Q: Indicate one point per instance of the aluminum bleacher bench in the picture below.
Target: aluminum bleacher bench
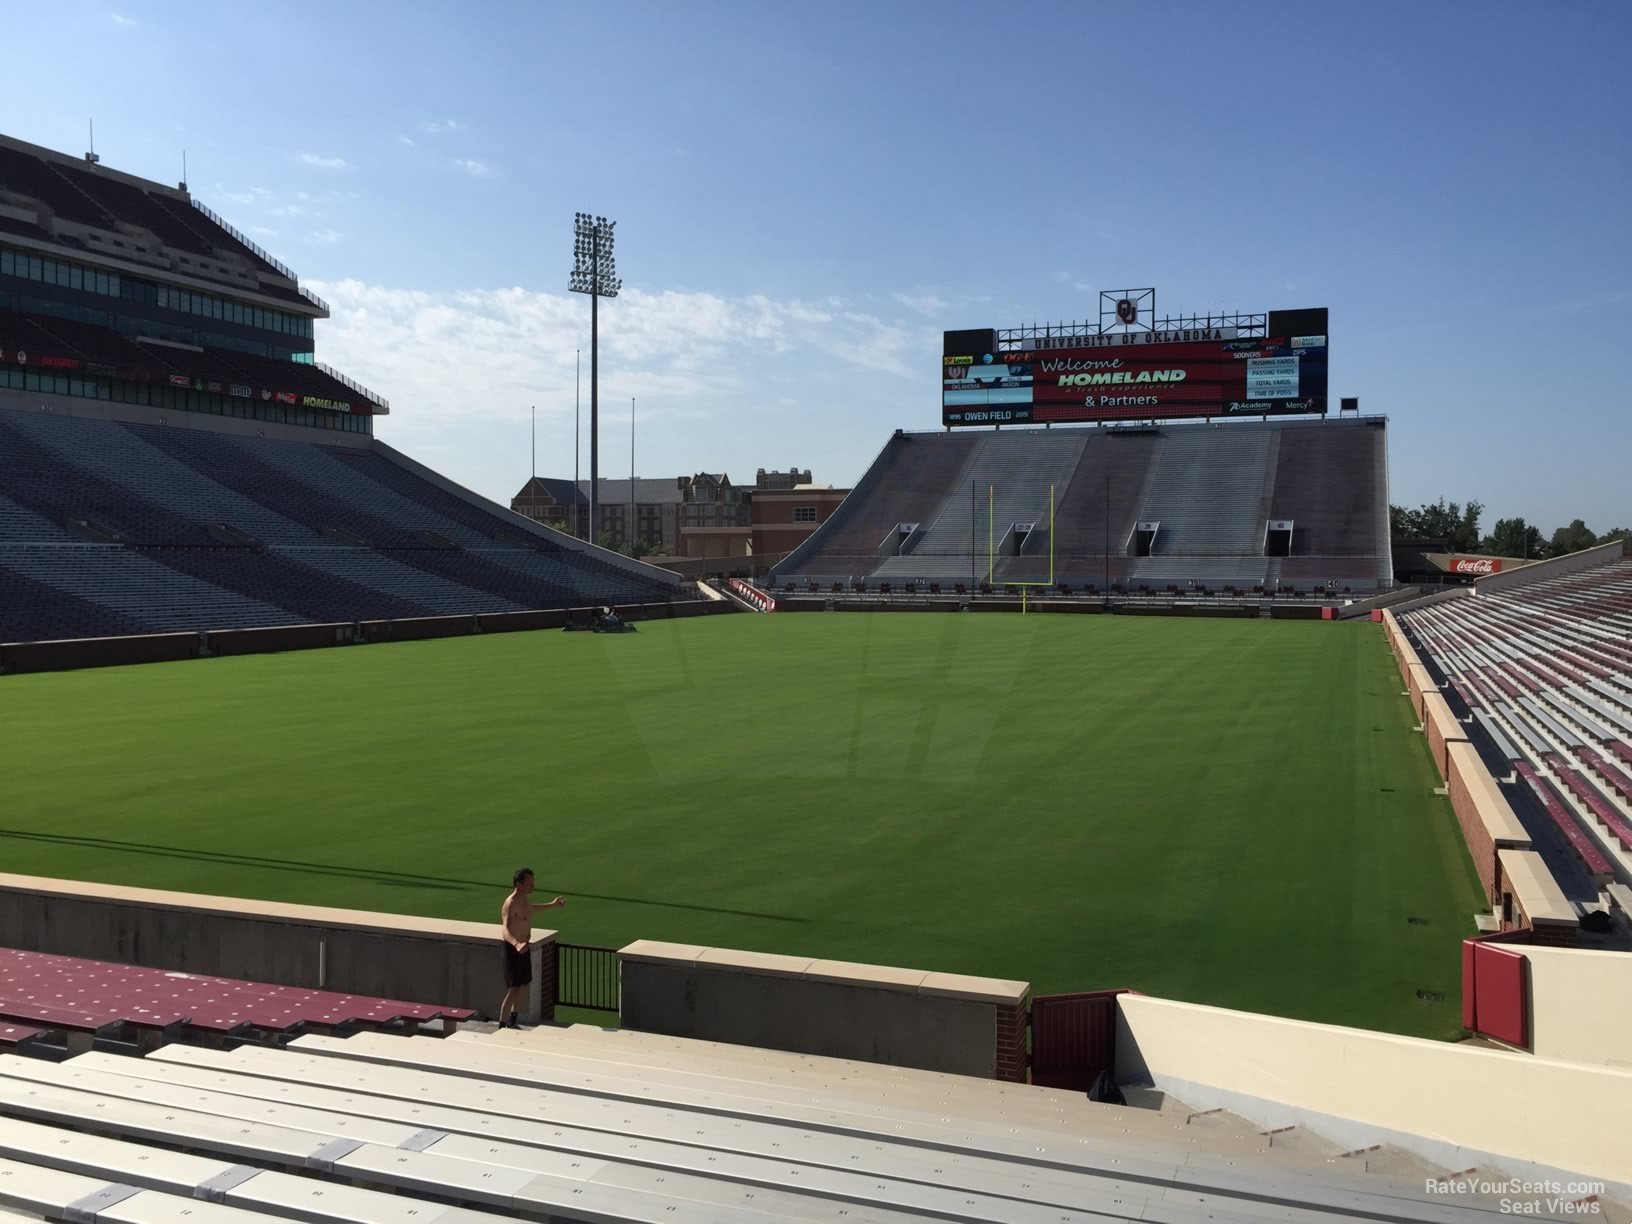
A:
(550, 1185)
(25, 1038)
(37, 987)
(1564, 709)
(1602, 810)
(1593, 702)
(801, 1109)
(216, 1181)
(81, 1029)
(56, 1195)
(1617, 779)
(1532, 738)
(826, 1163)
(892, 1148)
(1592, 858)
(1539, 713)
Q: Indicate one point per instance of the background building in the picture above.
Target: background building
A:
(657, 513)
(784, 518)
(555, 503)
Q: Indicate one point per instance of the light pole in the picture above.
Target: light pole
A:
(595, 273)
(577, 489)
(632, 533)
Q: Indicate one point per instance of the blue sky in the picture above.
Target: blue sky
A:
(808, 194)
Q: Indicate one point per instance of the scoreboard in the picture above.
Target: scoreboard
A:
(1137, 375)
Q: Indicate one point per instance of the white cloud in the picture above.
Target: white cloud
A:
(477, 354)
(325, 236)
(261, 231)
(323, 163)
(1062, 276)
(121, 19)
(406, 140)
(440, 127)
(475, 168)
(924, 301)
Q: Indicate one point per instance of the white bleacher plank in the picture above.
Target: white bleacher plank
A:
(156, 1123)
(151, 1207)
(1036, 1146)
(46, 1192)
(154, 1168)
(1619, 699)
(653, 1134)
(1535, 710)
(78, 1076)
(1590, 725)
(486, 1181)
(110, 1159)
(861, 1081)
(544, 1195)
(306, 1198)
(736, 1099)
(883, 1180)
(1596, 704)
(1526, 732)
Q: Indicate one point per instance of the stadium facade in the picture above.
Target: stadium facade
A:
(174, 458)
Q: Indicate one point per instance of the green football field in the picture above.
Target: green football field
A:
(1228, 812)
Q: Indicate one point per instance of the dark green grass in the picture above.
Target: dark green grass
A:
(1229, 812)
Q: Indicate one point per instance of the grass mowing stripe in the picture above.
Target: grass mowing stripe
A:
(1229, 812)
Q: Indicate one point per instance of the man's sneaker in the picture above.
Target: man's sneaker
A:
(513, 1022)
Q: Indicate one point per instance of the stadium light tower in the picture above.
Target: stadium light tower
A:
(594, 273)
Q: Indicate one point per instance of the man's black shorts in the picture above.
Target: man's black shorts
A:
(518, 967)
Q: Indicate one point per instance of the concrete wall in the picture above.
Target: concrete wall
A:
(1454, 1104)
(904, 1017)
(170, 647)
(72, 653)
(1434, 597)
(1487, 821)
(394, 956)
(1489, 828)
(1537, 570)
(1573, 994)
(1539, 903)
(1422, 684)
(1443, 729)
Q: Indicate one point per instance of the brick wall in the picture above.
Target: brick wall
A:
(1010, 1062)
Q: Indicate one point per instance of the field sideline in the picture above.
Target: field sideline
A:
(1230, 812)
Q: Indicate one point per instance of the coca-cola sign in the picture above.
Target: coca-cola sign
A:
(1476, 565)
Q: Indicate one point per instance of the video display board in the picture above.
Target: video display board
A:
(1136, 376)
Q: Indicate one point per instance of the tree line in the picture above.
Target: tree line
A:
(1458, 524)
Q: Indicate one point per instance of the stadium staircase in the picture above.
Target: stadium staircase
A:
(584, 1124)
(111, 528)
(1541, 674)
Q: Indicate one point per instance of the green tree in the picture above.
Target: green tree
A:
(1440, 520)
(1513, 537)
(1618, 533)
(1571, 539)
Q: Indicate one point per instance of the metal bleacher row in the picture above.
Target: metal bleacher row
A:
(1545, 669)
(580, 1123)
(1212, 488)
(109, 528)
(72, 1003)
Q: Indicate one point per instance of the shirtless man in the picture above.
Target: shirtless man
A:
(516, 918)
